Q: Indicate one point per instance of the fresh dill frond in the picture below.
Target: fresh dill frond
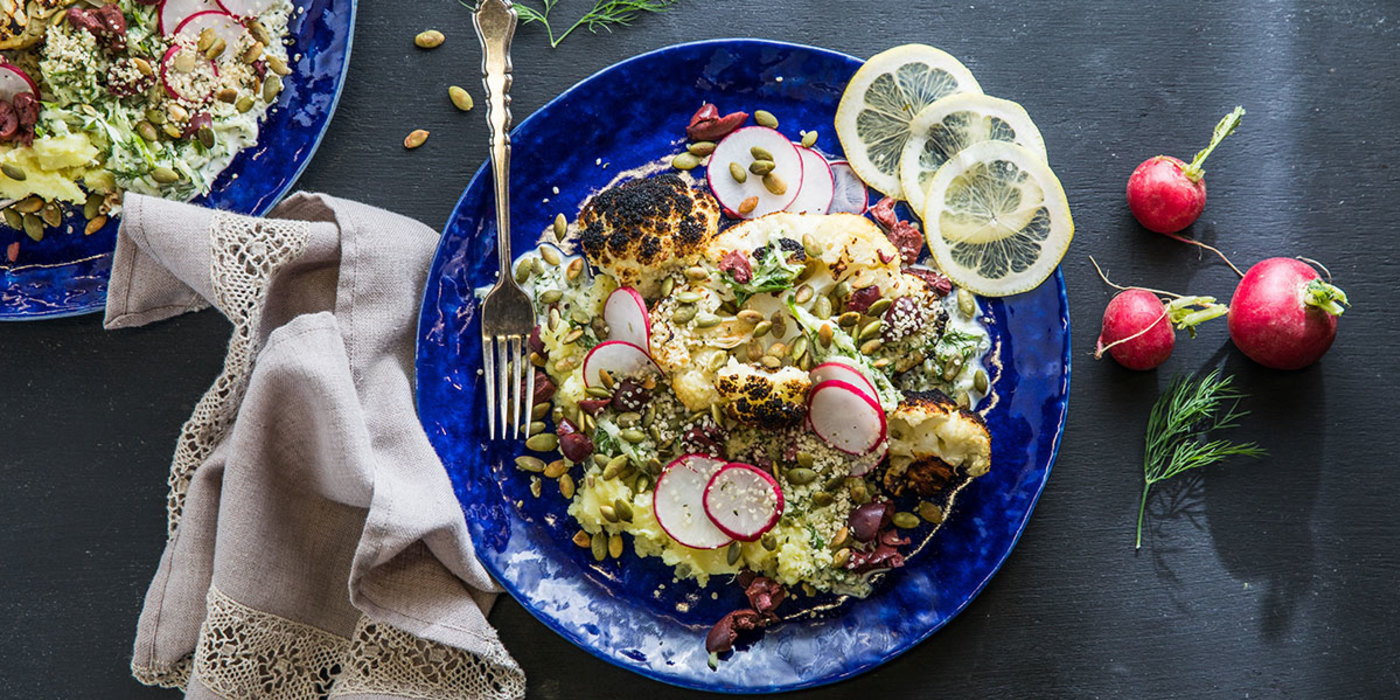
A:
(605, 14)
(1180, 426)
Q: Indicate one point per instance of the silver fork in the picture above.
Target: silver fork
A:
(507, 316)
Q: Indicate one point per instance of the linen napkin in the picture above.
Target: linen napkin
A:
(315, 548)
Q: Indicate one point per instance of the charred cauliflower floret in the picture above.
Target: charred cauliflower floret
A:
(934, 445)
(761, 397)
(640, 231)
(23, 22)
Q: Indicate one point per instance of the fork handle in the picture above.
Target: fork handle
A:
(495, 22)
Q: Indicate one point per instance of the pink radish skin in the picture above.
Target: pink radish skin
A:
(1277, 314)
(868, 462)
(245, 8)
(743, 501)
(626, 315)
(1127, 315)
(849, 195)
(1166, 194)
(735, 148)
(818, 185)
(827, 371)
(165, 67)
(678, 502)
(13, 81)
(618, 358)
(225, 26)
(847, 419)
(173, 12)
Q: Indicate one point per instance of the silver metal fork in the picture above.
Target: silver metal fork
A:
(507, 316)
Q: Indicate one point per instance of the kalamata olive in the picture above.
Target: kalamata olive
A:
(544, 388)
(593, 406)
(630, 395)
(861, 299)
(865, 522)
(537, 345)
(9, 121)
(566, 427)
(575, 446)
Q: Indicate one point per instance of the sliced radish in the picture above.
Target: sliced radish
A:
(225, 26)
(617, 357)
(843, 371)
(737, 148)
(246, 8)
(860, 466)
(13, 81)
(679, 502)
(850, 195)
(172, 86)
(174, 12)
(818, 185)
(847, 419)
(626, 314)
(743, 501)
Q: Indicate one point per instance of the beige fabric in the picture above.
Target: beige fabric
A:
(315, 547)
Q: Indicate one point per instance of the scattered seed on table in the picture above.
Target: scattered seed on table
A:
(461, 99)
(430, 39)
(415, 138)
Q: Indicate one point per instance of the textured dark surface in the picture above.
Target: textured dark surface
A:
(1270, 578)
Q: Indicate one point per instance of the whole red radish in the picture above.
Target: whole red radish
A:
(1283, 315)
(1136, 331)
(1167, 195)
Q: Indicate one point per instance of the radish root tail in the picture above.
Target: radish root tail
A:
(1211, 248)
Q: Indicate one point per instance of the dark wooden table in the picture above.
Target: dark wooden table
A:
(1272, 578)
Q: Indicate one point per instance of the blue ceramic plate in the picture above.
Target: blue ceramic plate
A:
(623, 117)
(66, 274)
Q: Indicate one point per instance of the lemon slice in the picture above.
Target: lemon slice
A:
(953, 123)
(996, 219)
(872, 120)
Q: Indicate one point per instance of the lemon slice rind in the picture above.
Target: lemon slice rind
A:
(997, 220)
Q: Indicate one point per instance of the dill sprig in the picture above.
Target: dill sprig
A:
(605, 14)
(1178, 431)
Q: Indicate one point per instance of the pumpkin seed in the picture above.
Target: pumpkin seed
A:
(778, 350)
(164, 175)
(804, 294)
(841, 559)
(806, 460)
(717, 414)
(905, 520)
(879, 307)
(206, 39)
(144, 66)
(649, 417)
(848, 319)
(608, 513)
(964, 399)
(930, 512)
(177, 113)
(765, 118)
(574, 269)
(760, 153)
(540, 410)
(529, 463)
(655, 432)
(700, 149)
(551, 296)
(696, 274)
(769, 542)
(556, 469)
(600, 546)
(254, 52)
(259, 32)
(750, 316)
(967, 304)
(14, 219)
(954, 366)
(683, 313)
(732, 554)
(882, 363)
(801, 476)
(822, 499)
(567, 487)
(598, 392)
(272, 87)
(535, 486)
(872, 346)
(461, 99)
(629, 419)
(615, 467)
(737, 172)
(278, 64)
(643, 483)
(834, 484)
(981, 382)
(762, 327)
(565, 365)
(771, 362)
(430, 39)
(245, 103)
(706, 320)
(579, 316)
(633, 435)
(825, 335)
(551, 255)
(205, 136)
(588, 422)
(30, 204)
(779, 323)
(544, 442)
(841, 538)
(685, 161)
(536, 427)
(809, 139)
(754, 350)
(821, 308)
(860, 493)
(762, 167)
(227, 95)
(615, 545)
(14, 172)
(147, 131)
(799, 347)
(415, 138)
(667, 286)
(747, 206)
(94, 225)
(33, 227)
(871, 330)
(216, 49)
(184, 61)
(688, 297)
(155, 116)
(601, 459)
(623, 509)
(554, 318)
(582, 538)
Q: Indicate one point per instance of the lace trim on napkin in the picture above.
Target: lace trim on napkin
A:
(245, 254)
(247, 653)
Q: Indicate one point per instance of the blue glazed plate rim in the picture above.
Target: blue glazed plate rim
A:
(95, 307)
(855, 669)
